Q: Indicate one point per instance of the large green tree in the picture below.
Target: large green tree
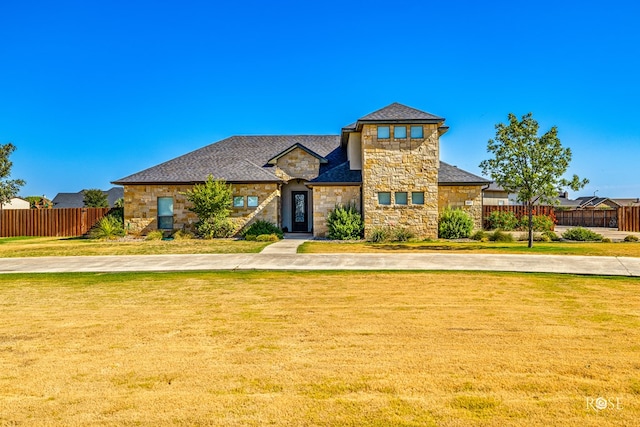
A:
(95, 198)
(211, 201)
(8, 187)
(529, 165)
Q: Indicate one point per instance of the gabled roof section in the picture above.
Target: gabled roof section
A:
(340, 175)
(400, 113)
(235, 159)
(451, 175)
(274, 159)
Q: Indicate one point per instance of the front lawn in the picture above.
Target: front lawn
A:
(550, 248)
(319, 348)
(64, 246)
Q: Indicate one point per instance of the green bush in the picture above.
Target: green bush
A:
(345, 223)
(582, 235)
(267, 238)
(250, 237)
(480, 235)
(502, 220)
(553, 237)
(155, 235)
(631, 238)
(109, 228)
(182, 235)
(215, 228)
(540, 223)
(380, 234)
(501, 236)
(262, 227)
(402, 234)
(454, 224)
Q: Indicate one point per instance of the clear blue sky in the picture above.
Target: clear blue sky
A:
(94, 91)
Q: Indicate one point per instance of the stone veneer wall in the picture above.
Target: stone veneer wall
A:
(141, 206)
(325, 199)
(455, 196)
(407, 165)
(297, 164)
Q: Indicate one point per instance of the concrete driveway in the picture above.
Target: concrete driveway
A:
(614, 266)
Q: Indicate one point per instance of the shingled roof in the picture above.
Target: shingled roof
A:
(237, 159)
(400, 113)
(451, 175)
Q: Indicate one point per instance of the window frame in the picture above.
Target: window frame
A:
(253, 201)
(388, 193)
(388, 128)
(163, 217)
(395, 135)
(421, 132)
(406, 198)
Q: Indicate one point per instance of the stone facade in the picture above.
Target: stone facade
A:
(297, 163)
(141, 206)
(459, 197)
(401, 165)
(325, 200)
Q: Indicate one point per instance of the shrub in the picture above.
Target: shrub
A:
(402, 234)
(454, 224)
(109, 227)
(606, 240)
(540, 223)
(380, 234)
(155, 235)
(215, 228)
(501, 236)
(480, 235)
(345, 223)
(631, 238)
(250, 237)
(267, 238)
(582, 235)
(553, 237)
(182, 235)
(262, 227)
(502, 220)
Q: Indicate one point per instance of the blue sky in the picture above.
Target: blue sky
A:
(94, 91)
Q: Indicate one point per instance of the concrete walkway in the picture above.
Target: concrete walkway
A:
(288, 245)
(614, 266)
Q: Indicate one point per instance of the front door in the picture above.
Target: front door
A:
(299, 211)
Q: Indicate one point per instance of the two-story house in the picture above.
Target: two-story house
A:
(387, 163)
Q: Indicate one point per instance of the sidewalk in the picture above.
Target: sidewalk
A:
(288, 245)
(611, 266)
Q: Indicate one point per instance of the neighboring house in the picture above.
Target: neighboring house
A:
(494, 195)
(593, 202)
(627, 201)
(387, 164)
(76, 200)
(16, 203)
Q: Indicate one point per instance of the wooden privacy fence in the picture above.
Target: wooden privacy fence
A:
(64, 222)
(588, 218)
(518, 210)
(629, 218)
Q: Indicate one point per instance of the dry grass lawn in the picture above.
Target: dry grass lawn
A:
(628, 249)
(56, 246)
(330, 348)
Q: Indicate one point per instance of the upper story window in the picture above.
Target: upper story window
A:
(383, 132)
(238, 201)
(252, 201)
(399, 132)
(417, 132)
(401, 198)
(384, 198)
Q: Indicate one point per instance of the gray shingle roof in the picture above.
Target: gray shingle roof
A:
(237, 159)
(341, 174)
(399, 112)
(451, 175)
(76, 200)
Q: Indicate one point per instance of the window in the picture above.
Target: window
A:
(383, 132)
(399, 132)
(401, 198)
(416, 132)
(238, 201)
(252, 201)
(417, 198)
(165, 213)
(384, 198)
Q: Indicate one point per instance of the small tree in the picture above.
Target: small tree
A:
(529, 165)
(212, 204)
(95, 198)
(8, 187)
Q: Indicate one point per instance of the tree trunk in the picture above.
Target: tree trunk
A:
(530, 225)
